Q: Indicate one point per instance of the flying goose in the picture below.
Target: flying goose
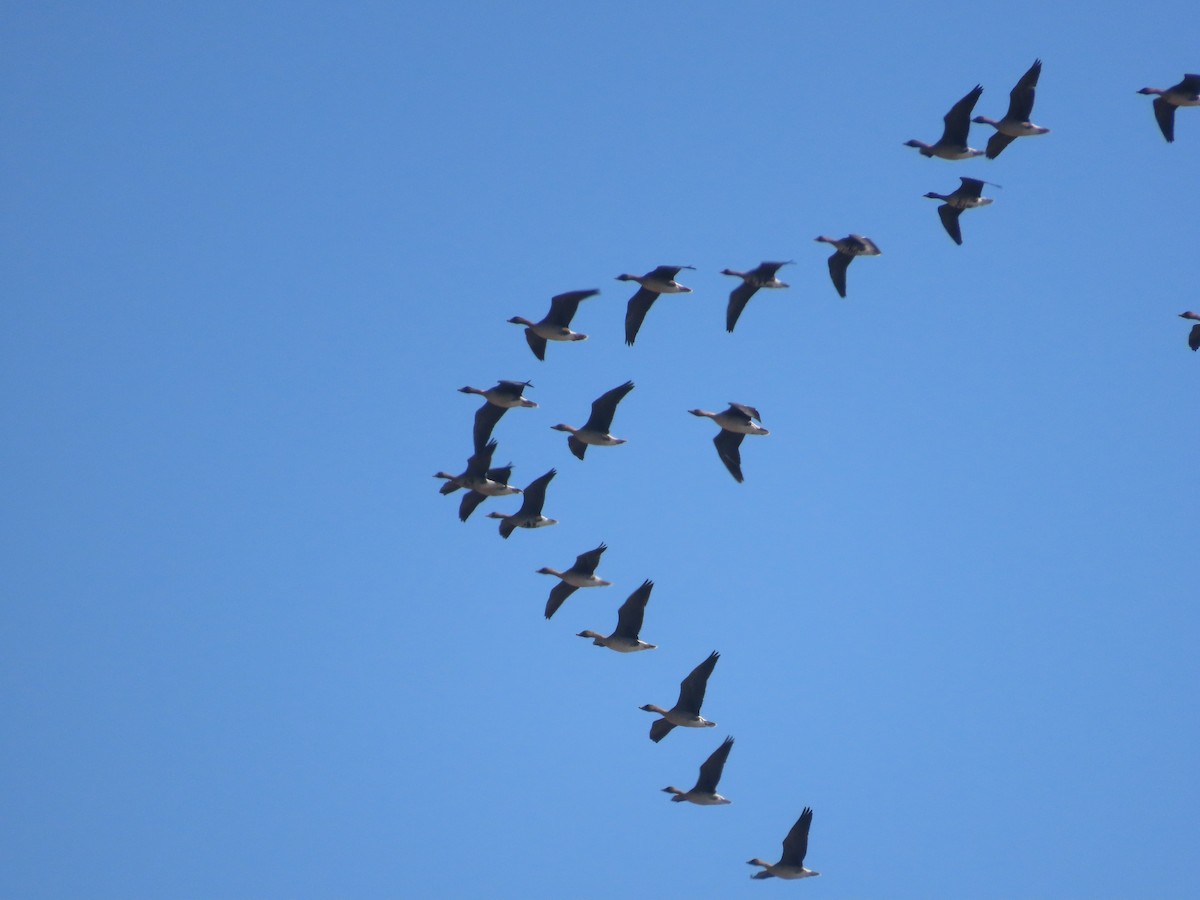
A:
(1186, 93)
(500, 399)
(846, 249)
(736, 422)
(1016, 122)
(966, 197)
(660, 281)
(480, 481)
(1194, 336)
(580, 575)
(595, 430)
(686, 711)
(795, 848)
(530, 513)
(705, 791)
(762, 276)
(624, 638)
(557, 324)
(953, 142)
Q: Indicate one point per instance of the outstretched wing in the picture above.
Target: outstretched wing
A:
(633, 610)
(563, 307)
(997, 142)
(949, 216)
(711, 768)
(535, 495)
(1020, 98)
(727, 444)
(958, 120)
(1194, 338)
(692, 688)
(536, 343)
(585, 563)
(470, 502)
(795, 845)
(604, 408)
(486, 418)
(1164, 112)
(738, 299)
(659, 729)
(838, 264)
(558, 595)
(635, 314)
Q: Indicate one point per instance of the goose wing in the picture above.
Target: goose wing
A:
(563, 307)
(470, 502)
(535, 495)
(585, 563)
(604, 407)
(711, 768)
(513, 389)
(537, 343)
(738, 298)
(486, 418)
(633, 610)
(838, 264)
(691, 689)
(1194, 338)
(477, 465)
(659, 729)
(748, 411)
(958, 120)
(667, 273)
(728, 444)
(500, 474)
(1164, 112)
(949, 216)
(795, 845)
(1020, 98)
(558, 595)
(971, 188)
(997, 142)
(635, 314)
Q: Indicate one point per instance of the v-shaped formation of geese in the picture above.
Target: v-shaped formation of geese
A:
(480, 480)
(704, 793)
(736, 422)
(845, 249)
(659, 281)
(626, 636)
(580, 575)
(530, 513)
(1016, 122)
(795, 848)
(500, 399)
(686, 711)
(968, 196)
(595, 429)
(556, 326)
(1186, 93)
(761, 276)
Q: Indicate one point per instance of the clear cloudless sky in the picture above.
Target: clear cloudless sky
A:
(252, 250)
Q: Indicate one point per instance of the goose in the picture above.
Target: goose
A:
(1186, 93)
(595, 430)
(1016, 122)
(966, 197)
(557, 324)
(795, 848)
(705, 791)
(686, 711)
(580, 575)
(624, 638)
(846, 249)
(762, 276)
(504, 396)
(660, 281)
(530, 513)
(736, 422)
(479, 481)
(953, 142)
(1194, 336)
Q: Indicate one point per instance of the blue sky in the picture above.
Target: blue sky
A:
(249, 650)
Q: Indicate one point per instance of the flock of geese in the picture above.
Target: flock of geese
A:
(481, 480)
